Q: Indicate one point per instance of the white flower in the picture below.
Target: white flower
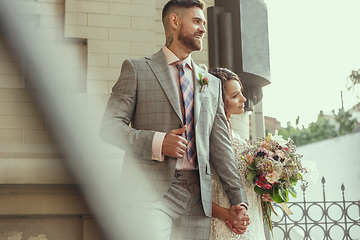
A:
(279, 139)
(278, 167)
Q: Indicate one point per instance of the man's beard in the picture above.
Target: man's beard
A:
(189, 40)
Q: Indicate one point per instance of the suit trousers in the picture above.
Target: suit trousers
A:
(177, 215)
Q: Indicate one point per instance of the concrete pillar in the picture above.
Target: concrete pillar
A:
(257, 121)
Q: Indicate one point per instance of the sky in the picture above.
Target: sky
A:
(314, 46)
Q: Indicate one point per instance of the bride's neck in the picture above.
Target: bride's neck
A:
(228, 120)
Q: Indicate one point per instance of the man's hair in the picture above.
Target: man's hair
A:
(172, 5)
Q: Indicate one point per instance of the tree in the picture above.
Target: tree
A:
(321, 129)
(317, 131)
(354, 82)
(354, 78)
(295, 134)
(345, 120)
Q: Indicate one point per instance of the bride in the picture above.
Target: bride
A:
(222, 225)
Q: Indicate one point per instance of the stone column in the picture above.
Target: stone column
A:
(257, 121)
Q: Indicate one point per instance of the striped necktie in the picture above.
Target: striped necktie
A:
(187, 98)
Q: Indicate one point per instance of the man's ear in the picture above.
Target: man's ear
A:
(174, 20)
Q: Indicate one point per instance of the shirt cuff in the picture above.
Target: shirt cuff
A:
(244, 205)
(157, 146)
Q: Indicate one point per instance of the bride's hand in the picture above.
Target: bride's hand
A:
(266, 197)
(240, 227)
(243, 223)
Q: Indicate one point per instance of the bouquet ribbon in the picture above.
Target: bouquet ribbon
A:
(286, 208)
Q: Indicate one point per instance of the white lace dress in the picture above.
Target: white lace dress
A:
(255, 231)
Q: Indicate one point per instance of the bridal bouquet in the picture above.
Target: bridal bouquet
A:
(275, 168)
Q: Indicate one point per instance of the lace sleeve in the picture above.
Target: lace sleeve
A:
(238, 145)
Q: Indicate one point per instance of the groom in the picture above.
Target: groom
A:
(171, 132)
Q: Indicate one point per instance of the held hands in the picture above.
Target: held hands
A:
(238, 219)
(240, 211)
(240, 227)
(174, 145)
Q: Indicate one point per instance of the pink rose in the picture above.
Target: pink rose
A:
(206, 80)
(259, 183)
(267, 186)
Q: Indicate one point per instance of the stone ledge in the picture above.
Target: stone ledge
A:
(33, 200)
(21, 148)
(34, 171)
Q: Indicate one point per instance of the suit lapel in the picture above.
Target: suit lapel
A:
(197, 93)
(160, 68)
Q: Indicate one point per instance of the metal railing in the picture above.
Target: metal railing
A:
(325, 220)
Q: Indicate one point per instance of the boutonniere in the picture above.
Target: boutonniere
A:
(204, 80)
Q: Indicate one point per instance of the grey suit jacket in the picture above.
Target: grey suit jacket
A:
(143, 101)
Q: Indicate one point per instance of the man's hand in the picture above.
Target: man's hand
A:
(174, 145)
(240, 211)
(235, 219)
(240, 227)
